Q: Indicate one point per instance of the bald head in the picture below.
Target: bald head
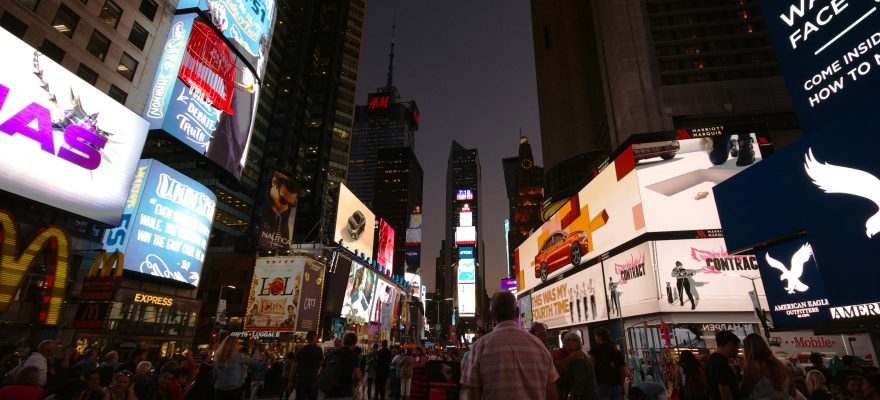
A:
(47, 347)
(503, 307)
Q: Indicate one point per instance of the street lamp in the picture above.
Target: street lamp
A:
(219, 301)
(757, 303)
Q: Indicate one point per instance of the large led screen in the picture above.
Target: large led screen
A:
(285, 295)
(467, 270)
(603, 215)
(246, 23)
(360, 293)
(355, 223)
(798, 297)
(276, 224)
(385, 251)
(203, 94)
(699, 275)
(65, 143)
(631, 285)
(467, 299)
(677, 178)
(165, 225)
(578, 299)
(385, 293)
(414, 230)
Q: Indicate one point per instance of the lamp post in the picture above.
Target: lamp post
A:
(221, 313)
(757, 303)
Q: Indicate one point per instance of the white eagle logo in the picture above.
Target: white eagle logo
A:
(836, 179)
(793, 274)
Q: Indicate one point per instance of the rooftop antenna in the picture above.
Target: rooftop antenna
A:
(390, 80)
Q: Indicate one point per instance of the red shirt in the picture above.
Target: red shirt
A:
(21, 392)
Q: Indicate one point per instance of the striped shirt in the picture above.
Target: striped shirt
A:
(509, 363)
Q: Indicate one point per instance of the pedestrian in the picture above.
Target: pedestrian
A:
(88, 362)
(407, 362)
(203, 387)
(420, 356)
(63, 364)
(70, 390)
(94, 390)
(303, 374)
(258, 374)
(26, 386)
(229, 370)
(539, 329)
(720, 376)
(137, 356)
(372, 365)
(610, 366)
(849, 368)
(142, 378)
(577, 379)
(189, 362)
(286, 366)
(764, 376)
(872, 387)
(647, 390)
(394, 372)
(109, 367)
(341, 373)
(690, 379)
(40, 359)
(509, 363)
(122, 387)
(816, 387)
(383, 365)
(855, 388)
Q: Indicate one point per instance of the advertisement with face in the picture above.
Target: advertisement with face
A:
(203, 94)
(246, 23)
(276, 225)
(603, 215)
(699, 275)
(65, 143)
(355, 224)
(385, 251)
(578, 299)
(631, 283)
(525, 311)
(274, 301)
(165, 224)
(676, 185)
(384, 294)
(360, 294)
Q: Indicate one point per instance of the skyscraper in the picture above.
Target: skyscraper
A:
(608, 69)
(525, 194)
(384, 122)
(398, 183)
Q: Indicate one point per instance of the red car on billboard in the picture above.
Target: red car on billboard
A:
(559, 250)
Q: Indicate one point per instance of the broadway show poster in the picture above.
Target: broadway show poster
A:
(285, 295)
(360, 294)
(276, 224)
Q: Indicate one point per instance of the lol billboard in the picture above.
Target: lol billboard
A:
(64, 143)
(165, 224)
(203, 94)
(285, 295)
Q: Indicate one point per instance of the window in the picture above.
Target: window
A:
(87, 74)
(98, 45)
(111, 13)
(65, 21)
(148, 8)
(13, 25)
(127, 66)
(118, 94)
(138, 36)
(52, 51)
(29, 4)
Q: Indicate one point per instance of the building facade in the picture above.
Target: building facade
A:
(398, 180)
(525, 194)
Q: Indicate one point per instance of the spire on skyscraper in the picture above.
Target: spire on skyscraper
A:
(390, 81)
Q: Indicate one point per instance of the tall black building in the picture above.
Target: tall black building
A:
(525, 194)
(398, 183)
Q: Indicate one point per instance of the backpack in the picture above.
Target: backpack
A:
(328, 379)
(695, 387)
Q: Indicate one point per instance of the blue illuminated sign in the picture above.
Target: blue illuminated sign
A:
(246, 23)
(465, 252)
(165, 225)
(466, 271)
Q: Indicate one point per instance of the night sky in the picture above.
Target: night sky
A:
(470, 67)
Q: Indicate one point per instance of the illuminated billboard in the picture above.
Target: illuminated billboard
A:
(165, 225)
(285, 295)
(601, 216)
(65, 143)
(465, 235)
(203, 94)
(276, 224)
(385, 294)
(355, 224)
(385, 251)
(467, 270)
(247, 24)
(467, 299)
(464, 194)
(577, 299)
(414, 230)
(630, 283)
(699, 275)
(676, 185)
(466, 217)
(508, 284)
(360, 293)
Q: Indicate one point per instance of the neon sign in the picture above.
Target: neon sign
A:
(379, 102)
